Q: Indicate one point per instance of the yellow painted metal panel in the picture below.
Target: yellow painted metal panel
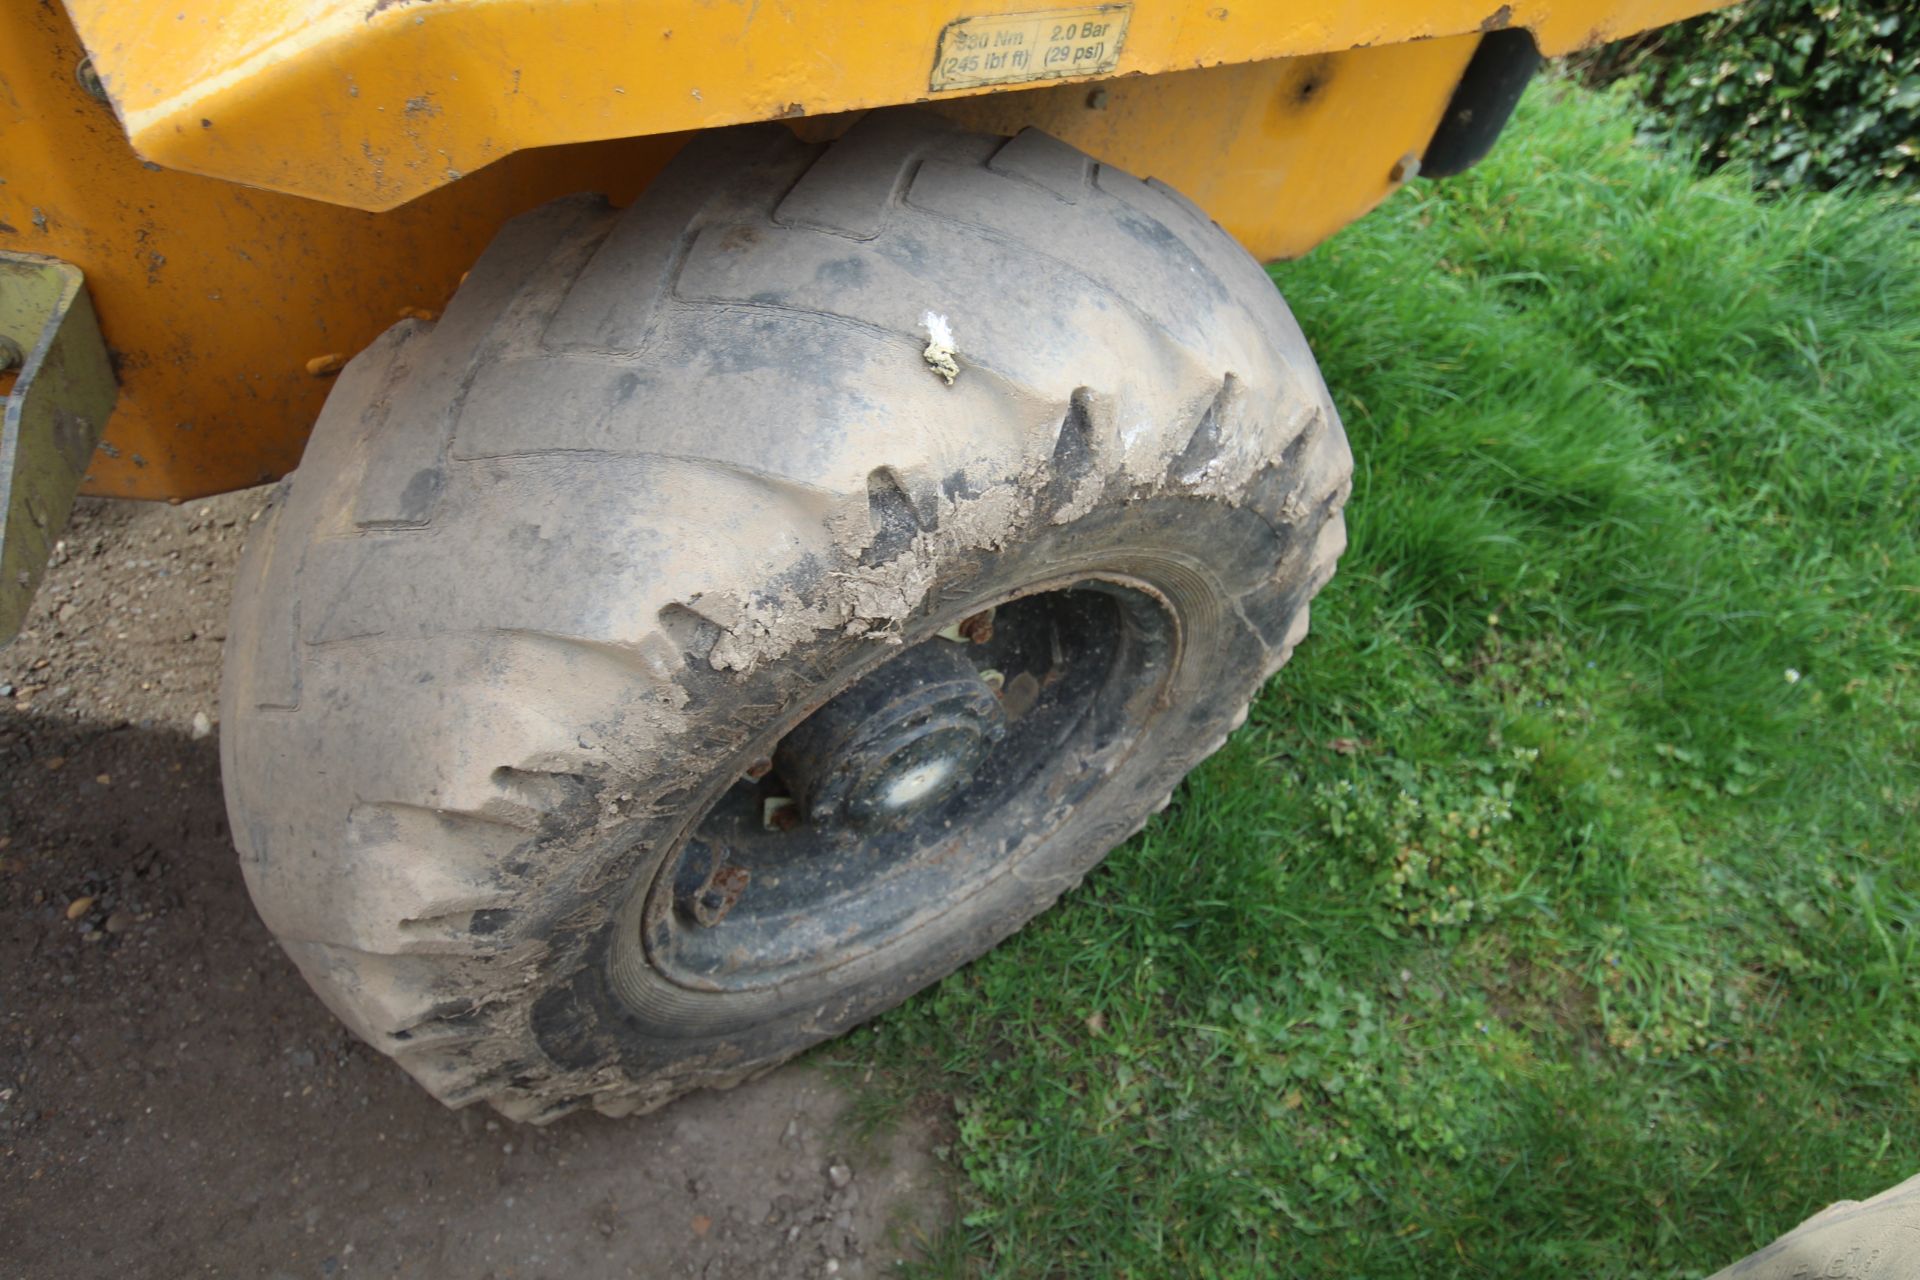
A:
(1281, 153)
(214, 298)
(217, 299)
(370, 103)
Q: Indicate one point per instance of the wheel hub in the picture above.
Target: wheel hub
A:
(903, 796)
(895, 744)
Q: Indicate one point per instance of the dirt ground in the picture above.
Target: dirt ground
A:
(173, 1099)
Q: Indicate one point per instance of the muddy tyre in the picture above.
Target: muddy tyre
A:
(656, 667)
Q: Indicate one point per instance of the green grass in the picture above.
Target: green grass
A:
(1556, 911)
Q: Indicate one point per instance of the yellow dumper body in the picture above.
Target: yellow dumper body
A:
(744, 607)
(254, 192)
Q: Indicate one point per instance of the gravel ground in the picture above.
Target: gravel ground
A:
(174, 1101)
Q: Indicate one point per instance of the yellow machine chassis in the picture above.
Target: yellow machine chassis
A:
(227, 305)
(374, 102)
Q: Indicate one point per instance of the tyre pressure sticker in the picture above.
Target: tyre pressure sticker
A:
(1019, 47)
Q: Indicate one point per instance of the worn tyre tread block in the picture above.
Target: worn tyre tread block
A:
(267, 674)
(851, 189)
(1045, 161)
(402, 474)
(655, 475)
(1171, 212)
(542, 511)
(1169, 280)
(611, 306)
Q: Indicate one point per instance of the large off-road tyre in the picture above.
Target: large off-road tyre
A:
(563, 572)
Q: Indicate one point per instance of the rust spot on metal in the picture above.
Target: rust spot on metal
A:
(719, 895)
(979, 627)
(1499, 20)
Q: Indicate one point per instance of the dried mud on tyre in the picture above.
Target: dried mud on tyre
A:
(561, 573)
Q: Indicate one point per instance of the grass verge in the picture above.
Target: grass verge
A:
(1556, 909)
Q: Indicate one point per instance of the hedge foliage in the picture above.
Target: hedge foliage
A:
(1806, 92)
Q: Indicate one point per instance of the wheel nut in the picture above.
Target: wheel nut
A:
(978, 628)
(713, 903)
(779, 813)
(706, 885)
